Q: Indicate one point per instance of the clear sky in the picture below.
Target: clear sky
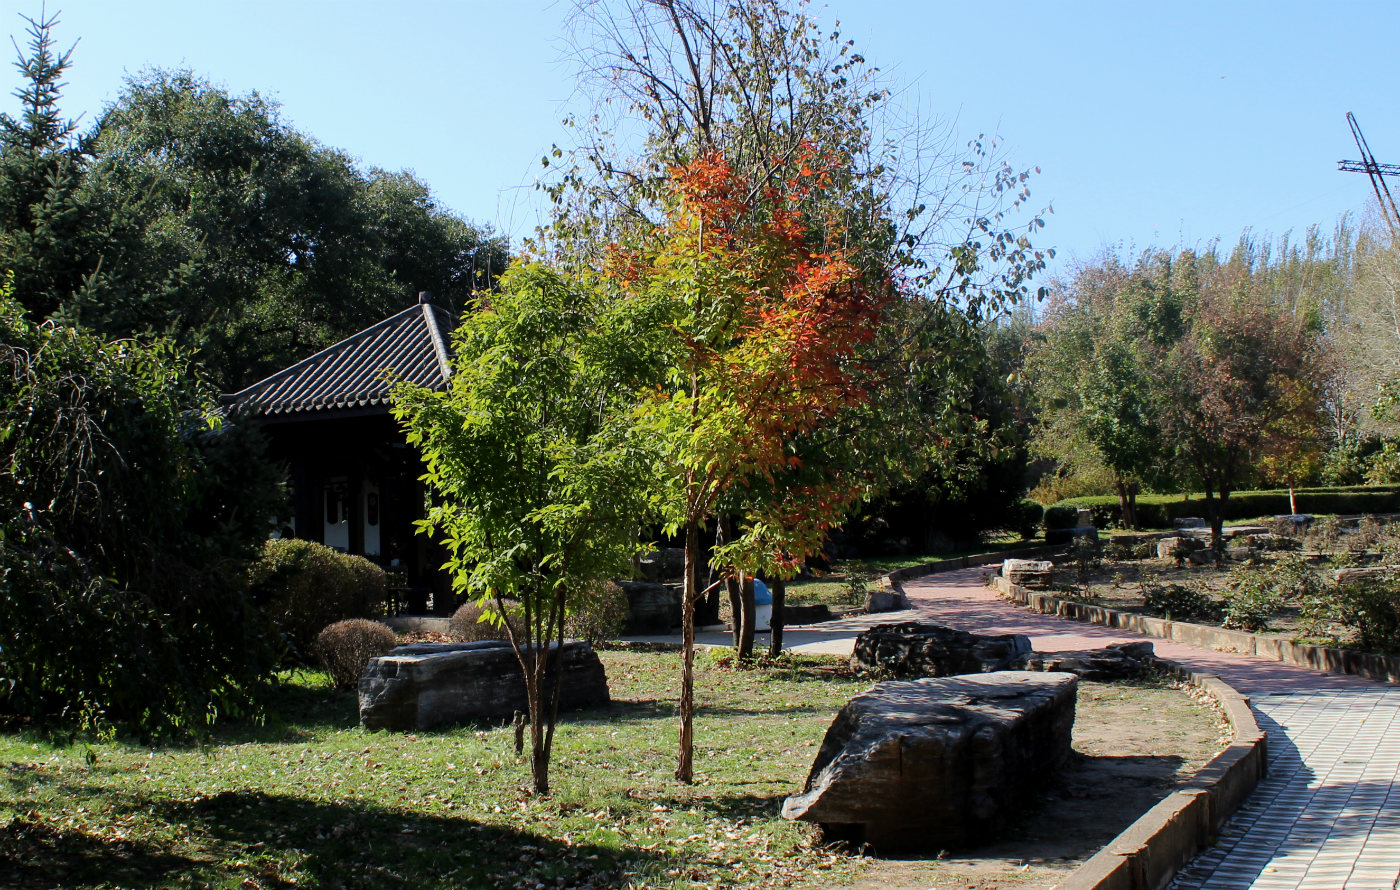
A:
(1153, 123)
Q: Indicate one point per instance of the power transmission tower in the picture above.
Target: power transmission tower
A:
(1377, 172)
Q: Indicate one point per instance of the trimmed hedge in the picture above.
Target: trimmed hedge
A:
(1158, 510)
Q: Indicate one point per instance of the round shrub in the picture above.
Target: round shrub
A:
(475, 621)
(1182, 603)
(596, 614)
(344, 648)
(305, 586)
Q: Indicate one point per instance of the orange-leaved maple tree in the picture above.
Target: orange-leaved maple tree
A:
(768, 316)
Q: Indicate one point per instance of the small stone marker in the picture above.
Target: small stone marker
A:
(1188, 522)
(1030, 573)
(936, 764)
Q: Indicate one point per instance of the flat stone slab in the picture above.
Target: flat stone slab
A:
(937, 764)
(922, 649)
(1116, 662)
(428, 685)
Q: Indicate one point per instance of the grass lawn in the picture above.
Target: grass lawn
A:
(842, 585)
(317, 802)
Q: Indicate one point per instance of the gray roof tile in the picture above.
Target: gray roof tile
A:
(350, 374)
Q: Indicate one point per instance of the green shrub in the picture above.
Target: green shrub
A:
(1372, 609)
(474, 621)
(306, 586)
(345, 648)
(127, 510)
(597, 614)
(1026, 517)
(1061, 516)
(1252, 599)
(1085, 555)
(1182, 603)
(1158, 510)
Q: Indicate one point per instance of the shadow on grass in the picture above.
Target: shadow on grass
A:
(260, 840)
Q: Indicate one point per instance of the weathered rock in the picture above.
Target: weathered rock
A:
(1188, 522)
(1031, 573)
(1243, 531)
(665, 564)
(1110, 663)
(922, 649)
(1365, 574)
(435, 684)
(1166, 547)
(1203, 557)
(1277, 543)
(885, 600)
(805, 613)
(937, 764)
(652, 608)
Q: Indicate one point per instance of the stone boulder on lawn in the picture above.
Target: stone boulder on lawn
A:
(921, 649)
(937, 764)
(1118, 662)
(428, 685)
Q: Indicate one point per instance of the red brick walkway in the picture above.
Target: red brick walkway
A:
(960, 599)
(1328, 815)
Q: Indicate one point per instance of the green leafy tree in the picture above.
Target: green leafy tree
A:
(127, 513)
(541, 475)
(1091, 378)
(47, 238)
(253, 243)
(190, 213)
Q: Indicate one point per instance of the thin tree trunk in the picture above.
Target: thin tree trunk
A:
(775, 623)
(1292, 502)
(748, 611)
(685, 762)
(732, 586)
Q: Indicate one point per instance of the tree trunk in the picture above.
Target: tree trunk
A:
(734, 586)
(1292, 502)
(749, 612)
(775, 623)
(534, 684)
(685, 766)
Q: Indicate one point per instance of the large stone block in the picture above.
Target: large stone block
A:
(428, 685)
(1116, 662)
(920, 649)
(937, 764)
(652, 608)
(1034, 574)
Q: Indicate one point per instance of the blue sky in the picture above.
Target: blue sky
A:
(1153, 124)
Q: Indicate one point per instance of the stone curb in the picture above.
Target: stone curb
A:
(1153, 849)
(1385, 668)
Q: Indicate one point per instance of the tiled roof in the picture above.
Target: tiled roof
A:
(349, 376)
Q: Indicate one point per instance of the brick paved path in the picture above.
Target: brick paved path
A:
(1328, 815)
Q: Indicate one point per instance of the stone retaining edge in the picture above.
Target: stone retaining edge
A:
(1385, 668)
(1149, 853)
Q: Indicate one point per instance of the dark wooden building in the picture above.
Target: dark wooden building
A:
(355, 480)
